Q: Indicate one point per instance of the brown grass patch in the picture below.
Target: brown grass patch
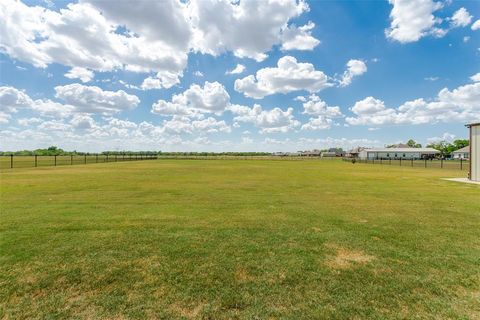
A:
(242, 275)
(345, 258)
(187, 312)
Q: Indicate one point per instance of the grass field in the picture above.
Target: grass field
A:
(238, 239)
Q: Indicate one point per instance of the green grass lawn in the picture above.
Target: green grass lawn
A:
(238, 239)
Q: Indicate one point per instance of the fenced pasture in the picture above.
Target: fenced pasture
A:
(14, 161)
(17, 161)
(450, 164)
(239, 239)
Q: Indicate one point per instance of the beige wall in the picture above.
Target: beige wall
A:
(475, 152)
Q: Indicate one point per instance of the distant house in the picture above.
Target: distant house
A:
(354, 152)
(397, 153)
(338, 152)
(329, 154)
(463, 153)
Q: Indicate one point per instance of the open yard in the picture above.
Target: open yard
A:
(238, 239)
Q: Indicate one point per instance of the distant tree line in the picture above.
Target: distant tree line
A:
(446, 148)
(55, 151)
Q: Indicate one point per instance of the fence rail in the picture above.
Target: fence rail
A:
(460, 164)
(13, 161)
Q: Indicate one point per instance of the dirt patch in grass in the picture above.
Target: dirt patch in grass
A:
(345, 258)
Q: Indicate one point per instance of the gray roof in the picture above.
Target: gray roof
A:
(403, 150)
(463, 150)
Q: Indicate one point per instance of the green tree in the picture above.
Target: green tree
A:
(413, 144)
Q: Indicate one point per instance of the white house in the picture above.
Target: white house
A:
(462, 153)
(397, 153)
(474, 151)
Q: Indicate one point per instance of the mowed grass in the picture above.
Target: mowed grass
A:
(238, 239)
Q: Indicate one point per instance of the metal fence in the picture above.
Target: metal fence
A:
(14, 161)
(457, 164)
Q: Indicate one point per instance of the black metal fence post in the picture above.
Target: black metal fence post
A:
(441, 163)
(85, 159)
(55, 160)
(71, 159)
(35, 161)
(461, 165)
(11, 161)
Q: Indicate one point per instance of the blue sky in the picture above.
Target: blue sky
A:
(94, 75)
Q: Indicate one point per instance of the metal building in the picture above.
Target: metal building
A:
(474, 174)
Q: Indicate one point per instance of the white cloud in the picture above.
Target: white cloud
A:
(26, 122)
(150, 37)
(288, 76)
(12, 99)
(413, 19)
(80, 36)
(179, 124)
(211, 98)
(83, 74)
(82, 122)
(247, 28)
(449, 137)
(239, 68)
(316, 106)
(458, 105)
(269, 121)
(354, 68)
(461, 18)
(475, 77)
(323, 113)
(161, 80)
(476, 25)
(431, 78)
(198, 74)
(300, 38)
(92, 99)
(4, 117)
(318, 123)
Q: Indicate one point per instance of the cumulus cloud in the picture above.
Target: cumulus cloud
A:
(459, 104)
(4, 117)
(79, 35)
(247, 28)
(354, 68)
(288, 76)
(476, 25)
(449, 137)
(78, 99)
(92, 99)
(239, 68)
(323, 114)
(161, 80)
(475, 77)
(269, 121)
(300, 38)
(12, 99)
(152, 36)
(180, 124)
(413, 19)
(83, 74)
(461, 18)
(211, 98)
